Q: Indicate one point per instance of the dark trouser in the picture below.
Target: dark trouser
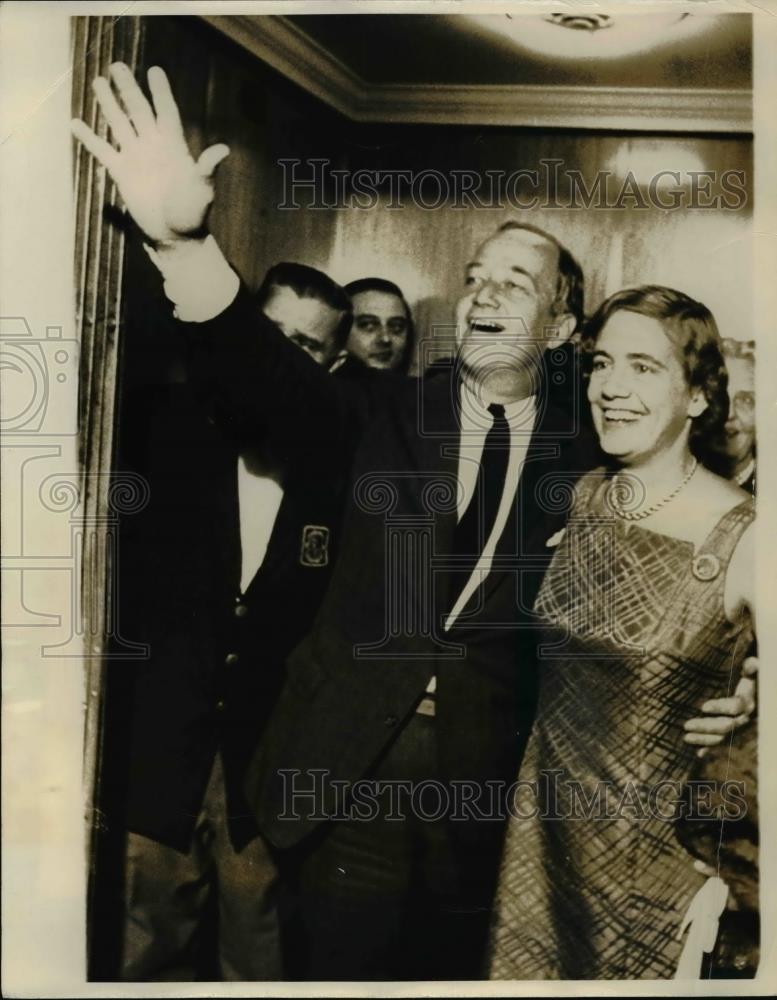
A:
(173, 900)
(392, 899)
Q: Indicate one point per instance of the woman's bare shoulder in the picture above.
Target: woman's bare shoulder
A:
(694, 514)
(720, 495)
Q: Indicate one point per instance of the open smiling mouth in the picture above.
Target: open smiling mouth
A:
(620, 417)
(485, 326)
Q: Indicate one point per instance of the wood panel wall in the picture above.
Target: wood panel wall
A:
(704, 252)
(229, 96)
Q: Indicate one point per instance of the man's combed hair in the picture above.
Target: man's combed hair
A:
(309, 283)
(570, 295)
(376, 285)
(692, 329)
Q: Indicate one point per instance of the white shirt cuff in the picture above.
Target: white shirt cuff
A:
(197, 278)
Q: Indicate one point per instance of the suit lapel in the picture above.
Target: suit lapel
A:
(531, 520)
(441, 441)
(441, 434)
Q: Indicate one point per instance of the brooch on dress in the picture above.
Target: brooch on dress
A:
(705, 567)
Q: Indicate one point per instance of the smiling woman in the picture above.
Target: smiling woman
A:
(645, 611)
(656, 363)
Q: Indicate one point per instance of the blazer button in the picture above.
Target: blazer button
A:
(390, 720)
(241, 611)
(231, 659)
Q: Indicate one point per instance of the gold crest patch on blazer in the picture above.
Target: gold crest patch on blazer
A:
(315, 545)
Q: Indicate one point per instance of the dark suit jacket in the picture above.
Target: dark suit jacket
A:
(212, 675)
(366, 662)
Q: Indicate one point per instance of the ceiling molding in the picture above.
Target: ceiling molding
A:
(290, 51)
(621, 108)
(296, 55)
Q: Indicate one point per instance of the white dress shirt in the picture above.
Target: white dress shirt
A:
(259, 498)
(476, 422)
(197, 279)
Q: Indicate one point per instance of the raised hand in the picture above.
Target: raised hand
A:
(166, 192)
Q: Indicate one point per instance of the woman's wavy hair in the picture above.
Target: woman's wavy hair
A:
(692, 330)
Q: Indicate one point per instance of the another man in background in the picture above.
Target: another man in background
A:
(313, 311)
(740, 427)
(382, 334)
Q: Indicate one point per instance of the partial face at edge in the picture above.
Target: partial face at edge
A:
(740, 426)
(308, 322)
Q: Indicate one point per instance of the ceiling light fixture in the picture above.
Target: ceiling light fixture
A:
(581, 22)
(568, 35)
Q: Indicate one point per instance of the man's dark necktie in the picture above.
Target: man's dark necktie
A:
(457, 689)
(470, 746)
(474, 528)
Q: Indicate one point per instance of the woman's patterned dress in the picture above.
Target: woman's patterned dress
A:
(594, 884)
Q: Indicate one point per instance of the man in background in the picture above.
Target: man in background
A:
(382, 335)
(740, 426)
